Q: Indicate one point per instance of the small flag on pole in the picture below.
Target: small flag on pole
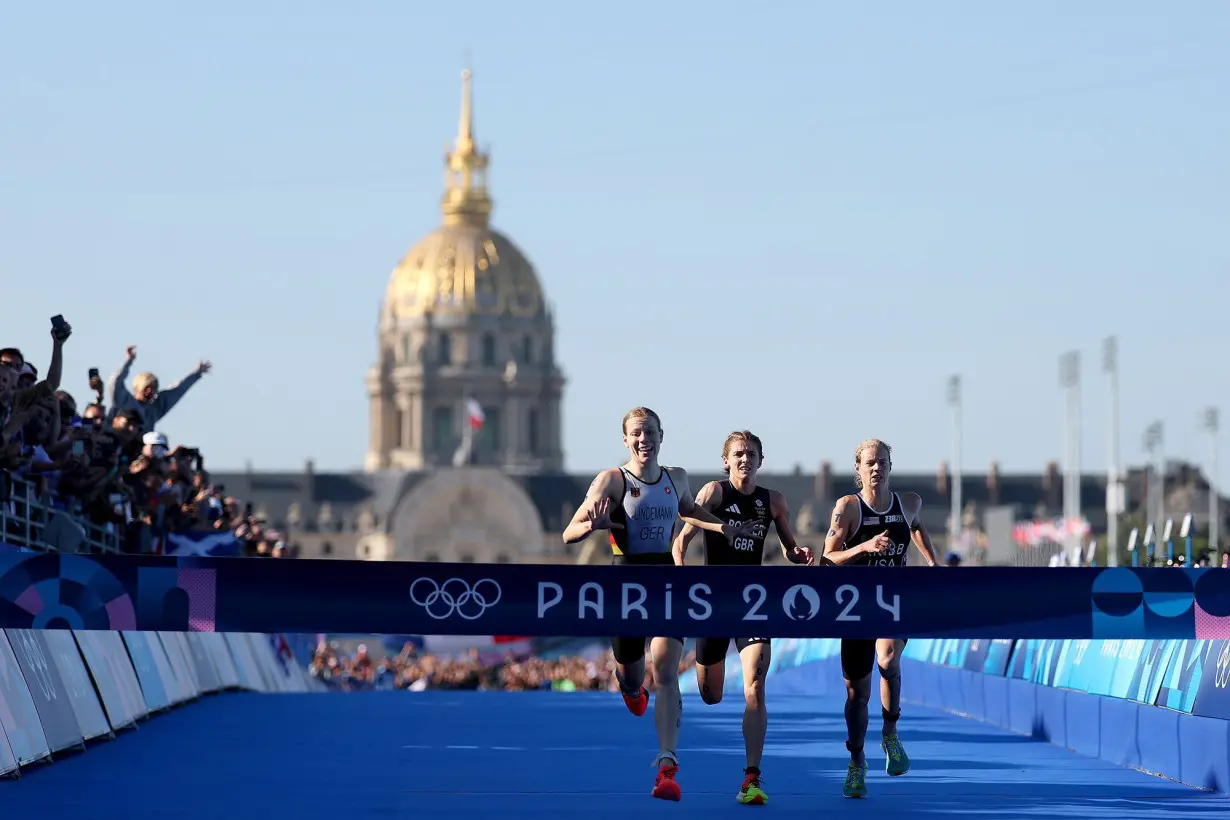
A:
(475, 419)
(475, 412)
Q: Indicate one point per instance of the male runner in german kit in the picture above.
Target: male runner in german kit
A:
(638, 503)
(739, 500)
(874, 527)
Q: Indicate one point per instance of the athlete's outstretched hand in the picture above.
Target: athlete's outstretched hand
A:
(747, 528)
(801, 555)
(600, 516)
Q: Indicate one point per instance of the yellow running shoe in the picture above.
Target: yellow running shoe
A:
(751, 794)
(897, 761)
(856, 781)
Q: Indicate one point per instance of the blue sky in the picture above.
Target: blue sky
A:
(800, 220)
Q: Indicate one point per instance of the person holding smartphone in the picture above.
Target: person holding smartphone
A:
(96, 384)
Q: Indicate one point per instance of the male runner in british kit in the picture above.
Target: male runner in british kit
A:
(740, 500)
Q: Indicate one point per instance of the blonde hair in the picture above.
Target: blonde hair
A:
(142, 381)
(741, 435)
(869, 444)
(638, 414)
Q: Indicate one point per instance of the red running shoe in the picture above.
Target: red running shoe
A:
(666, 788)
(638, 703)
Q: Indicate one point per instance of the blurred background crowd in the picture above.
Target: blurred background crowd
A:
(361, 668)
(84, 467)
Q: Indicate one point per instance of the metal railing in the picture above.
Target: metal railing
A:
(41, 520)
(1036, 555)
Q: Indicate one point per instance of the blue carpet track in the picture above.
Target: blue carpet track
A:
(581, 755)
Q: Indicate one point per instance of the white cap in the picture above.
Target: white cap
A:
(154, 438)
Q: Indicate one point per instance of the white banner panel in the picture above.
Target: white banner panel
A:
(220, 654)
(245, 664)
(141, 650)
(46, 687)
(185, 686)
(8, 762)
(116, 699)
(121, 666)
(18, 713)
(81, 695)
(206, 672)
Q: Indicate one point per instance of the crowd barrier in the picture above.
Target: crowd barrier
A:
(63, 690)
(1161, 706)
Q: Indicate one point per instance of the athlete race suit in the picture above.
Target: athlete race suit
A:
(746, 550)
(647, 513)
(858, 655)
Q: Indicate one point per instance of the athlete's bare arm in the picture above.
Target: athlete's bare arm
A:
(912, 502)
(696, 515)
(794, 553)
(708, 498)
(595, 511)
(845, 521)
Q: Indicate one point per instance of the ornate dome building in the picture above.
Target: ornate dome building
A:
(464, 318)
(465, 324)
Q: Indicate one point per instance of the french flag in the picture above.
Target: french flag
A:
(474, 411)
(476, 417)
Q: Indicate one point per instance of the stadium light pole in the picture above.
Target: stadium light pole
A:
(1114, 490)
(1211, 424)
(1155, 487)
(954, 402)
(1069, 381)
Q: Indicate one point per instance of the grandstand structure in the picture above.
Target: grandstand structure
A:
(466, 461)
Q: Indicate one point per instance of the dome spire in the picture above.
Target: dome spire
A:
(465, 126)
(466, 201)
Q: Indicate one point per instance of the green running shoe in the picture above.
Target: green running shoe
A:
(856, 781)
(751, 794)
(897, 761)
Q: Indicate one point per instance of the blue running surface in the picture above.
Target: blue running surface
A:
(541, 754)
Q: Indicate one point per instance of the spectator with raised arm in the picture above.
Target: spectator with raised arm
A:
(29, 409)
(106, 470)
(146, 398)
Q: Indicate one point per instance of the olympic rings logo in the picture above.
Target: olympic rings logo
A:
(455, 596)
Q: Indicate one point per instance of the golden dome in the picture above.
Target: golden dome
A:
(464, 267)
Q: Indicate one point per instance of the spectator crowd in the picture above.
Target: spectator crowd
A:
(413, 670)
(75, 476)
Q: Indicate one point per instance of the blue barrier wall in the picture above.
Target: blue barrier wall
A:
(1162, 706)
(64, 691)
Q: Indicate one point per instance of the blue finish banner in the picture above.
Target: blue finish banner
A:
(975, 654)
(1089, 666)
(1034, 660)
(1138, 676)
(990, 657)
(207, 594)
(1213, 690)
(1181, 681)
